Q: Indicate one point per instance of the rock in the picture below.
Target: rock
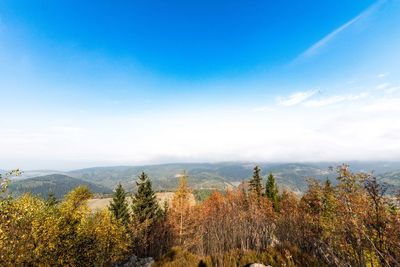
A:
(137, 262)
(258, 265)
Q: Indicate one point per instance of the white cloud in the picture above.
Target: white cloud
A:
(384, 105)
(392, 89)
(358, 130)
(334, 100)
(295, 98)
(68, 131)
(315, 48)
(382, 86)
(388, 88)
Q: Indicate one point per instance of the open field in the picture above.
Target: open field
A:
(101, 203)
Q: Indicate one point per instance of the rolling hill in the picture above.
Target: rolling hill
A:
(292, 176)
(204, 175)
(57, 184)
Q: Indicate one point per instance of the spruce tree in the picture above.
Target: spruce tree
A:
(119, 205)
(144, 203)
(271, 191)
(51, 200)
(255, 185)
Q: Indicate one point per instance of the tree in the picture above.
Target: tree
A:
(180, 210)
(377, 220)
(144, 202)
(73, 210)
(328, 200)
(119, 206)
(5, 180)
(103, 239)
(17, 244)
(255, 185)
(38, 232)
(51, 200)
(271, 191)
(146, 218)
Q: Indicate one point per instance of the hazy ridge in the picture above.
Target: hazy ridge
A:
(291, 176)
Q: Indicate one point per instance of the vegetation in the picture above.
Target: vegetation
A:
(352, 222)
(181, 211)
(34, 233)
(271, 191)
(5, 180)
(202, 194)
(56, 184)
(119, 206)
(144, 202)
(211, 176)
(255, 186)
(148, 219)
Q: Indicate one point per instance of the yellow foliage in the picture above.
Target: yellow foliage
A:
(34, 233)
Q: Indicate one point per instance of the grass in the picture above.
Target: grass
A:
(102, 203)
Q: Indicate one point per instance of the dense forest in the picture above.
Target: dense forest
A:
(349, 222)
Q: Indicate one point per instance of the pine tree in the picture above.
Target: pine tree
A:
(119, 206)
(144, 203)
(255, 186)
(271, 191)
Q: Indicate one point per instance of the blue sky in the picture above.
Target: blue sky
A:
(132, 82)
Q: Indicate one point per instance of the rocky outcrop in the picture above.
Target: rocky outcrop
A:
(137, 262)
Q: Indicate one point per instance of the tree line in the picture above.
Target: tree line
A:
(351, 223)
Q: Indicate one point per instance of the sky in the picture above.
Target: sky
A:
(96, 83)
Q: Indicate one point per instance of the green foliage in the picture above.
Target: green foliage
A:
(119, 205)
(51, 200)
(57, 184)
(203, 194)
(144, 203)
(215, 176)
(148, 220)
(271, 191)
(255, 186)
(219, 176)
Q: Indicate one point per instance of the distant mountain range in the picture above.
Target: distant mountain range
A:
(292, 176)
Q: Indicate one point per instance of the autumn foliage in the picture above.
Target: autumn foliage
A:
(349, 222)
(35, 233)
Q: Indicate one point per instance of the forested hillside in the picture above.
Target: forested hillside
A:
(56, 184)
(205, 175)
(291, 176)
